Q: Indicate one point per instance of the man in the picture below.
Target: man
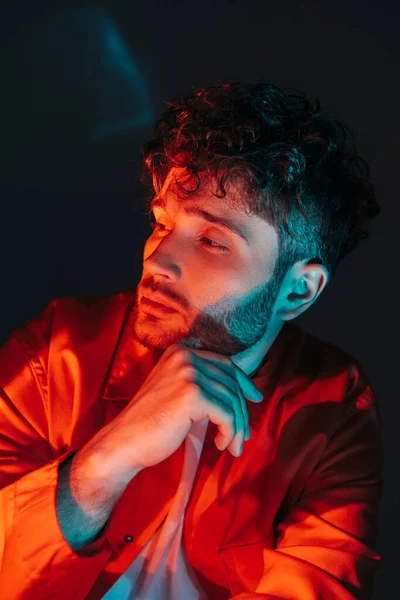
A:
(185, 439)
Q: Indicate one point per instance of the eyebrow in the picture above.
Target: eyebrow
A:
(194, 209)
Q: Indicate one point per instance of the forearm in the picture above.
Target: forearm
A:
(84, 501)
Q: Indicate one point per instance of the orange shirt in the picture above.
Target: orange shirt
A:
(294, 517)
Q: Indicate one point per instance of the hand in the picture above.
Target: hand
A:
(184, 387)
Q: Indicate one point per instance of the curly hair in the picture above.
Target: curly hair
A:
(298, 165)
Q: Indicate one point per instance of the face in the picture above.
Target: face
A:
(219, 282)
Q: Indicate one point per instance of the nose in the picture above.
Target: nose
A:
(160, 258)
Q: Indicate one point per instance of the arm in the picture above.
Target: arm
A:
(84, 500)
(34, 554)
(326, 544)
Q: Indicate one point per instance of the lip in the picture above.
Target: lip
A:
(156, 306)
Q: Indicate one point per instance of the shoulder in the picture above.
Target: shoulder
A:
(324, 371)
(76, 319)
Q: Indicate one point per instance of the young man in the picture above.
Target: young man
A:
(185, 439)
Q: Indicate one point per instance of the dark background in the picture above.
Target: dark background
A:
(81, 87)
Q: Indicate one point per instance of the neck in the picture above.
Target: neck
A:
(253, 358)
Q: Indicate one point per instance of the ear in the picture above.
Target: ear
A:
(302, 285)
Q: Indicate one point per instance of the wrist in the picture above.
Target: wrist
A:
(107, 468)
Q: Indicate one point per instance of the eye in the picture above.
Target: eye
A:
(156, 226)
(211, 244)
(205, 241)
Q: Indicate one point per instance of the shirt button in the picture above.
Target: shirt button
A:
(128, 539)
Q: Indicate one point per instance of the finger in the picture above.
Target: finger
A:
(228, 378)
(246, 414)
(225, 389)
(249, 389)
(223, 416)
(245, 417)
(243, 407)
(243, 382)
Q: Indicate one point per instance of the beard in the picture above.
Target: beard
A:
(227, 327)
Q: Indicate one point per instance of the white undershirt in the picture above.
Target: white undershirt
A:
(161, 570)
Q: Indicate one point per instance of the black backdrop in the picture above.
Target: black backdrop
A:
(81, 87)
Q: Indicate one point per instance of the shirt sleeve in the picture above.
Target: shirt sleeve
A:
(326, 545)
(36, 561)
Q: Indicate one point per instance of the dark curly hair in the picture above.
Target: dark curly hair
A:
(298, 165)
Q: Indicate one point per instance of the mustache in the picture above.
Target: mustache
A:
(164, 293)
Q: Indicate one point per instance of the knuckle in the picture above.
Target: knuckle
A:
(226, 360)
(185, 355)
(189, 373)
(174, 348)
(192, 390)
(181, 355)
(229, 398)
(231, 415)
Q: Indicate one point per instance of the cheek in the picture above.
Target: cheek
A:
(217, 285)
